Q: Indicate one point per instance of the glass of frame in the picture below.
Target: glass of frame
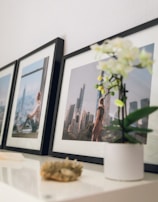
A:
(33, 100)
(77, 101)
(6, 81)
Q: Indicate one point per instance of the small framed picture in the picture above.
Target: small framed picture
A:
(6, 82)
(33, 99)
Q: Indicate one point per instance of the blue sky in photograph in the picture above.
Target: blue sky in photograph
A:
(32, 67)
(32, 82)
(4, 85)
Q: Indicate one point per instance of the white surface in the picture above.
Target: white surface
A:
(22, 180)
(8, 193)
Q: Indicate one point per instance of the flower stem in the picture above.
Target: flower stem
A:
(122, 96)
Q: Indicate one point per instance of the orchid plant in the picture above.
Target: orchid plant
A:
(122, 57)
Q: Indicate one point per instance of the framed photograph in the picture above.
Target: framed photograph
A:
(77, 101)
(33, 99)
(6, 81)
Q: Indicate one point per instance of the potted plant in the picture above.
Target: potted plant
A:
(121, 57)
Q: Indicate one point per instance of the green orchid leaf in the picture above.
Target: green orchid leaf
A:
(137, 129)
(119, 103)
(138, 114)
(131, 139)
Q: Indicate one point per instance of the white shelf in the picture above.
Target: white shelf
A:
(21, 181)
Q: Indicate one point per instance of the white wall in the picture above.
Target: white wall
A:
(28, 24)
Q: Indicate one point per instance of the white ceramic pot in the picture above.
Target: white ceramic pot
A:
(124, 162)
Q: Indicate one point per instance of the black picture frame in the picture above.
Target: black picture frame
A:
(84, 150)
(7, 74)
(36, 83)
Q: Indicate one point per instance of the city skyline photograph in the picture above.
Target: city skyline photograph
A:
(31, 87)
(4, 87)
(82, 98)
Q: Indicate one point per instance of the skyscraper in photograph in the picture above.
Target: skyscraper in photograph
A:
(74, 127)
(69, 116)
(144, 103)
